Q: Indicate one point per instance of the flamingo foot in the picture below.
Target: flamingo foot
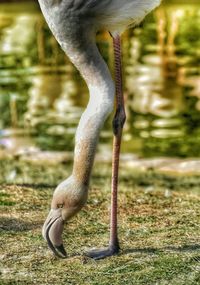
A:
(102, 253)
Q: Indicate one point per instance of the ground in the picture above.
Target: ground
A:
(159, 217)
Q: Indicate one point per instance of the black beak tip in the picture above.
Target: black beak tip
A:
(61, 250)
(58, 251)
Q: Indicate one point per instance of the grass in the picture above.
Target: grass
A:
(159, 229)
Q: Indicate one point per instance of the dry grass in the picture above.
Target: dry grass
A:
(159, 233)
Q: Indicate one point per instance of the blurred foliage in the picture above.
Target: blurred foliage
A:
(24, 61)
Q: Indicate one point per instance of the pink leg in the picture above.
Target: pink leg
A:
(118, 124)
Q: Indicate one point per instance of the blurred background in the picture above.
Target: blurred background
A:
(42, 96)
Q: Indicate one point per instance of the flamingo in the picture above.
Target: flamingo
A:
(74, 24)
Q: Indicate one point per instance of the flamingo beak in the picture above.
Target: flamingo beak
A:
(52, 232)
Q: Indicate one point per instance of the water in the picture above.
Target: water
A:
(42, 95)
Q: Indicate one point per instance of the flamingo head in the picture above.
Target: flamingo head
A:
(69, 197)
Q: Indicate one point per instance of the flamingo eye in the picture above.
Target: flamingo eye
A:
(60, 206)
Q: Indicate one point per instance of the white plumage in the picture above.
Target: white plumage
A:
(120, 14)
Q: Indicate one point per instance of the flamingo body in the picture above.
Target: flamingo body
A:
(113, 15)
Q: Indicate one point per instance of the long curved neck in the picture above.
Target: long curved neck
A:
(101, 88)
(76, 36)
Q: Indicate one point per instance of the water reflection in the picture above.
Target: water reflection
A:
(42, 95)
(52, 111)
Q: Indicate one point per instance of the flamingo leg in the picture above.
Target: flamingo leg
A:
(118, 123)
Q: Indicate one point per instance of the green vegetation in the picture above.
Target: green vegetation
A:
(159, 229)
